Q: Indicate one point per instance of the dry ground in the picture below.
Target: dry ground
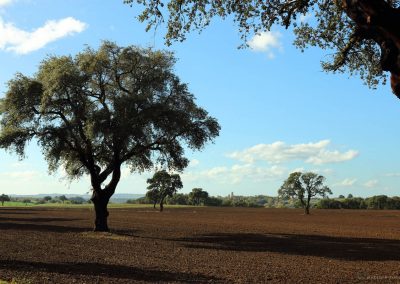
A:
(216, 245)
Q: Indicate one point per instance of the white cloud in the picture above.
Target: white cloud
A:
(371, 183)
(392, 175)
(266, 42)
(346, 182)
(215, 172)
(21, 176)
(278, 152)
(193, 163)
(325, 157)
(19, 165)
(236, 174)
(5, 2)
(22, 42)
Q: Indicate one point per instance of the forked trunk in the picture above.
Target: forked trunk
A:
(304, 205)
(100, 202)
(101, 196)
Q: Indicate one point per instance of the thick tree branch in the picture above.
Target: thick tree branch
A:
(381, 23)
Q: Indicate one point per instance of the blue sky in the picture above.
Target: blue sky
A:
(278, 111)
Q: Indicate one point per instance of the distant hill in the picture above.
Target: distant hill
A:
(116, 198)
(123, 197)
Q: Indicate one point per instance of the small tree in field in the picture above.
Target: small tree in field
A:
(304, 186)
(153, 195)
(47, 198)
(4, 198)
(198, 196)
(102, 109)
(164, 184)
(63, 198)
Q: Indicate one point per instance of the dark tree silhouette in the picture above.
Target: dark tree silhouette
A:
(163, 184)
(47, 198)
(198, 196)
(304, 186)
(104, 108)
(365, 34)
(63, 198)
(153, 195)
(4, 198)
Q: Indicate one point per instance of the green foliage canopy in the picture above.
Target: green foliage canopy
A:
(363, 35)
(103, 108)
(163, 185)
(304, 186)
(198, 196)
(4, 198)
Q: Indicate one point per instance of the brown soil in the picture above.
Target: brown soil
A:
(216, 245)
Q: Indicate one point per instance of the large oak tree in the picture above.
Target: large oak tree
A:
(363, 34)
(94, 112)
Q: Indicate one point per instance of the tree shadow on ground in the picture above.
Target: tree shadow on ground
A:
(106, 271)
(365, 249)
(41, 227)
(38, 220)
(125, 232)
(13, 211)
(35, 225)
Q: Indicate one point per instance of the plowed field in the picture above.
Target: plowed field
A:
(215, 245)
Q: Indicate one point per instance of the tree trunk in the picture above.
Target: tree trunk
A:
(154, 205)
(308, 202)
(304, 204)
(100, 201)
(307, 210)
(162, 198)
(378, 21)
(101, 197)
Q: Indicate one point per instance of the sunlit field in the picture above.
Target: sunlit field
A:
(199, 244)
(11, 204)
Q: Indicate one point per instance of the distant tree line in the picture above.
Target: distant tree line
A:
(161, 196)
(300, 190)
(58, 199)
(44, 200)
(200, 197)
(374, 202)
